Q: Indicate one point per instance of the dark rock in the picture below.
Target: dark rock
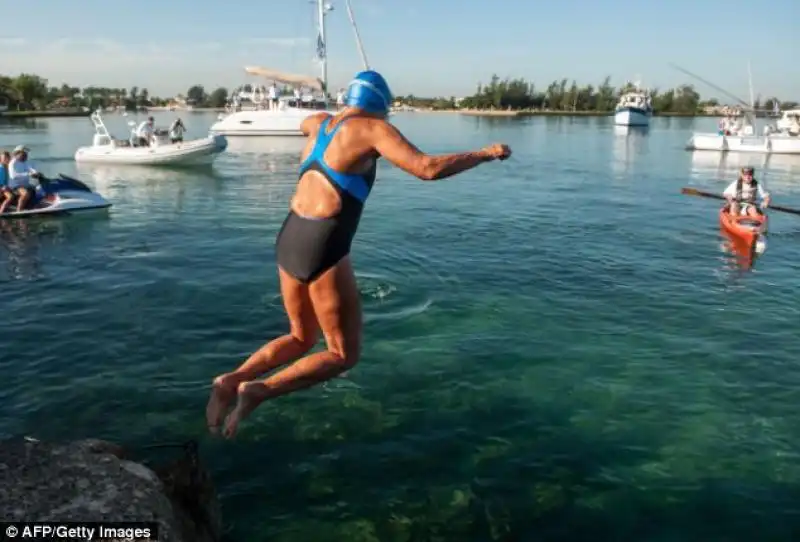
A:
(90, 481)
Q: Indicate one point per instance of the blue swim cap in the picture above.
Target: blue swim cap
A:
(368, 90)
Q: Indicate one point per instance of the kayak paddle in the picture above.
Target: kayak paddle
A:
(696, 192)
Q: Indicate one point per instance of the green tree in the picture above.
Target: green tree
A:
(218, 98)
(196, 95)
(30, 89)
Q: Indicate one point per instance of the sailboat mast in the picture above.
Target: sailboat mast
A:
(322, 46)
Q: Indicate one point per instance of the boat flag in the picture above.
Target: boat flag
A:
(320, 47)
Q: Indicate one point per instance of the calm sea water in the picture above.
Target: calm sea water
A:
(557, 348)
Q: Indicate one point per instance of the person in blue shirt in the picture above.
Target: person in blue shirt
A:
(6, 195)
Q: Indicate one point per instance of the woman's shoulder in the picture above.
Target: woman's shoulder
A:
(311, 124)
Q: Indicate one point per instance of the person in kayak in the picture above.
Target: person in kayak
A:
(742, 194)
(317, 283)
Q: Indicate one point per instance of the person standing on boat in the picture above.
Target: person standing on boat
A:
(317, 282)
(6, 195)
(145, 132)
(298, 97)
(340, 99)
(20, 175)
(742, 194)
(272, 96)
(176, 131)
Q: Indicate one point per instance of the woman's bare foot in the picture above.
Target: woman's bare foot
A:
(222, 394)
(248, 396)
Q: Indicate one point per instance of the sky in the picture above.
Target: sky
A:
(424, 47)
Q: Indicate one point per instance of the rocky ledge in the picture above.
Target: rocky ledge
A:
(93, 480)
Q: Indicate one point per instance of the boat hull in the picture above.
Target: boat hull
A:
(746, 233)
(193, 152)
(772, 144)
(281, 123)
(632, 116)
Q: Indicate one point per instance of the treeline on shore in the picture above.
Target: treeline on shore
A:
(29, 92)
(519, 94)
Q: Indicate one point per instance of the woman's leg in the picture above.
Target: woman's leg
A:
(303, 335)
(337, 305)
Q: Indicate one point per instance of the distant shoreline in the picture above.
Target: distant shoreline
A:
(469, 112)
(525, 113)
(81, 113)
(45, 113)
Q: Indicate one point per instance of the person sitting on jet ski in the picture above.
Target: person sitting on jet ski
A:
(20, 173)
(6, 195)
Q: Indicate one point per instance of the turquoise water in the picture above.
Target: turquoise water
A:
(556, 349)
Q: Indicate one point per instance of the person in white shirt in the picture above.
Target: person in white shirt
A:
(340, 98)
(176, 131)
(743, 193)
(20, 175)
(272, 96)
(145, 132)
(298, 97)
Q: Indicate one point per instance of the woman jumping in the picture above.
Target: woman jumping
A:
(317, 282)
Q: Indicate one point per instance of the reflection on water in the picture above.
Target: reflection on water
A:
(629, 141)
(125, 184)
(777, 170)
(22, 240)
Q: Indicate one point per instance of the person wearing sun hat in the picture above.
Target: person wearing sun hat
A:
(20, 173)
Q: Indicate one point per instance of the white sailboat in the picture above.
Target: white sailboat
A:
(744, 138)
(284, 117)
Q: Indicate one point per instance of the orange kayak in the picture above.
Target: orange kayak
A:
(743, 231)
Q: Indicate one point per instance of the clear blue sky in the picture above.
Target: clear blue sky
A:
(425, 47)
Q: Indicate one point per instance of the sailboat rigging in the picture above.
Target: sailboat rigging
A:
(284, 115)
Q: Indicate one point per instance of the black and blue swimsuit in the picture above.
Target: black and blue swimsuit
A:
(306, 247)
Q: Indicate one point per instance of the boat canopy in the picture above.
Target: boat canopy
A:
(285, 78)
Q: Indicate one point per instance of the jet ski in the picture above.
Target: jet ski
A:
(63, 195)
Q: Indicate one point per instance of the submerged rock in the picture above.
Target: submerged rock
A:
(91, 480)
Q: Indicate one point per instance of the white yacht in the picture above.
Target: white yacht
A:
(635, 108)
(267, 118)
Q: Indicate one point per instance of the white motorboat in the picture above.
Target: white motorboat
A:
(635, 108)
(281, 117)
(161, 151)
